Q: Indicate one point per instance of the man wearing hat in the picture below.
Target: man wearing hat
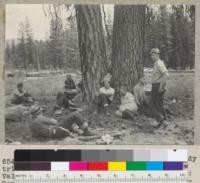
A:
(20, 96)
(159, 78)
(45, 127)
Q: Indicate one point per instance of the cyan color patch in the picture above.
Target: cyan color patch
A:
(156, 165)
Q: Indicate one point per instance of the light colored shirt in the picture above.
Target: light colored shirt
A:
(109, 92)
(159, 69)
(128, 102)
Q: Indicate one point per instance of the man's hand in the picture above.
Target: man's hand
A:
(161, 87)
(163, 82)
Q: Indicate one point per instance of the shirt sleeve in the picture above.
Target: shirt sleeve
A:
(112, 91)
(101, 90)
(161, 67)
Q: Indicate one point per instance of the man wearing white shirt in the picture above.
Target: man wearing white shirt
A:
(128, 104)
(105, 97)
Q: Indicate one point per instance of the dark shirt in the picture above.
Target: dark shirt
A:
(69, 84)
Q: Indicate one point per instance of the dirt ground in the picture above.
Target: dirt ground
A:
(179, 101)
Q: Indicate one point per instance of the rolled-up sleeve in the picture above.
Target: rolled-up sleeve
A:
(162, 68)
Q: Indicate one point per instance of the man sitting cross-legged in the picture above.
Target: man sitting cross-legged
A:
(70, 87)
(21, 96)
(105, 97)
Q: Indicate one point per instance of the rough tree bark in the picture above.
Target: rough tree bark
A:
(92, 48)
(128, 45)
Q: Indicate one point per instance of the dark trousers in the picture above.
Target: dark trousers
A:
(70, 96)
(63, 101)
(22, 100)
(157, 101)
(102, 100)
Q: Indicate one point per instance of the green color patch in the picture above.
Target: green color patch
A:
(136, 165)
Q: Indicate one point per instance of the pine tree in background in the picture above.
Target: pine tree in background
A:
(183, 38)
(13, 54)
(171, 28)
(29, 42)
(70, 47)
(56, 43)
(21, 47)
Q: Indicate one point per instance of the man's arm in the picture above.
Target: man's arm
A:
(162, 68)
(163, 81)
(136, 95)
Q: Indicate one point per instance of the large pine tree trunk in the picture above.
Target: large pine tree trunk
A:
(128, 45)
(91, 48)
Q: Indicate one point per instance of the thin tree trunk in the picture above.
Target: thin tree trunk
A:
(37, 58)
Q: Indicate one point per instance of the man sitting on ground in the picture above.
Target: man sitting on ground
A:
(45, 127)
(128, 106)
(62, 102)
(20, 96)
(70, 87)
(75, 123)
(105, 97)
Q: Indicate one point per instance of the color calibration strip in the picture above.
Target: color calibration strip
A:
(99, 166)
(99, 160)
(101, 155)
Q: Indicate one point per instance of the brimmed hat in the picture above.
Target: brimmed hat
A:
(155, 50)
(35, 109)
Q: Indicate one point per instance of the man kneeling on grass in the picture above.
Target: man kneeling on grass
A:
(46, 127)
(128, 106)
(105, 97)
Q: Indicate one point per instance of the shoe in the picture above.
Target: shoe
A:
(160, 123)
(88, 133)
(164, 124)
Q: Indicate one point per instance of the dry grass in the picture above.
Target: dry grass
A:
(180, 87)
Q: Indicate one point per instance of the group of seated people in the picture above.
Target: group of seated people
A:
(72, 121)
(130, 103)
(60, 126)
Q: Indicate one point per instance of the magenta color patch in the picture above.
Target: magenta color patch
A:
(76, 166)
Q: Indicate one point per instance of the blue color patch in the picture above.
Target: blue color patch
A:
(154, 165)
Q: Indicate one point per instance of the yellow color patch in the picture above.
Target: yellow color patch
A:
(117, 166)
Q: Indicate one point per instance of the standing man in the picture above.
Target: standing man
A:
(159, 78)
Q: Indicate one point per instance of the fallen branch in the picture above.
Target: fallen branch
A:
(94, 137)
